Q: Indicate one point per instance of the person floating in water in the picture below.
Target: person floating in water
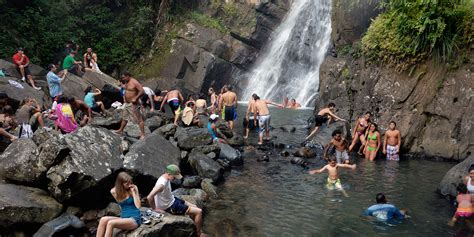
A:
(391, 142)
(324, 115)
(340, 145)
(333, 180)
(384, 211)
(261, 108)
(464, 209)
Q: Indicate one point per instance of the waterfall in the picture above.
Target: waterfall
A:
(290, 64)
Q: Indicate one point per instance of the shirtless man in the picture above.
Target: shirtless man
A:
(359, 131)
(391, 142)
(249, 118)
(326, 114)
(228, 102)
(333, 180)
(174, 98)
(340, 145)
(293, 104)
(131, 110)
(261, 108)
(79, 105)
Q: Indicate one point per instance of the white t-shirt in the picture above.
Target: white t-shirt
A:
(148, 91)
(164, 199)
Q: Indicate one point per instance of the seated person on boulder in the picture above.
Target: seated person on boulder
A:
(162, 199)
(22, 62)
(8, 123)
(65, 120)
(81, 111)
(89, 99)
(72, 65)
(29, 112)
(212, 129)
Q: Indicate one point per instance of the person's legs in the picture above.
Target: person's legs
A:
(122, 127)
(120, 223)
(196, 215)
(267, 128)
(32, 82)
(101, 106)
(373, 154)
(39, 117)
(354, 141)
(312, 133)
(22, 73)
(103, 225)
(7, 135)
(362, 141)
(142, 129)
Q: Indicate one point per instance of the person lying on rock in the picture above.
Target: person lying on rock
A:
(162, 199)
(340, 145)
(127, 196)
(333, 178)
(384, 211)
(81, 110)
(27, 114)
(324, 115)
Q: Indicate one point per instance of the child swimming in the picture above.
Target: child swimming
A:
(464, 204)
(333, 180)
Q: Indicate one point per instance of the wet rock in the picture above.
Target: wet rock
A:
(109, 122)
(133, 130)
(153, 123)
(235, 140)
(224, 129)
(229, 154)
(150, 156)
(60, 223)
(41, 136)
(19, 161)
(209, 188)
(299, 161)
(191, 137)
(199, 194)
(305, 152)
(21, 205)
(454, 176)
(170, 226)
(324, 134)
(167, 130)
(192, 181)
(213, 148)
(212, 155)
(94, 154)
(205, 166)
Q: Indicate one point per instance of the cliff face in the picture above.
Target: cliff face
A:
(432, 104)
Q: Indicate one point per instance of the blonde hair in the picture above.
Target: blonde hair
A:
(25, 101)
(120, 191)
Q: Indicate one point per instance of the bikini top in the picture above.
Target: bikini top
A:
(372, 137)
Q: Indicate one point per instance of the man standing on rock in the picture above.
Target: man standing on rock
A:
(228, 103)
(174, 98)
(261, 108)
(132, 110)
(391, 142)
(22, 62)
(162, 199)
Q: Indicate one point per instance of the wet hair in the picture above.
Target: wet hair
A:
(255, 97)
(393, 123)
(331, 105)
(201, 96)
(62, 99)
(120, 191)
(461, 188)
(380, 198)
(24, 101)
(87, 90)
(7, 109)
(337, 131)
(157, 91)
(71, 100)
(127, 74)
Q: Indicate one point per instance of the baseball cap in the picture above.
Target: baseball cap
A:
(174, 170)
(214, 116)
(19, 49)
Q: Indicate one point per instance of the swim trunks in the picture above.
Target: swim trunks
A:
(229, 114)
(464, 212)
(132, 112)
(249, 123)
(392, 153)
(263, 122)
(331, 183)
(341, 156)
(319, 120)
(174, 104)
(178, 207)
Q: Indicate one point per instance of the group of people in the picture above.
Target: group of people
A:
(464, 198)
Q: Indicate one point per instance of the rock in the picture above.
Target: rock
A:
(199, 194)
(113, 209)
(16, 95)
(181, 191)
(60, 223)
(99, 80)
(193, 200)
(212, 155)
(213, 148)
(90, 215)
(21, 205)
(151, 155)
(167, 130)
(205, 166)
(324, 134)
(133, 130)
(236, 140)
(209, 188)
(41, 136)
(192, 181)
(299, 161)
(191, 137)
(76, 211)
(454, 176)
(224, 129)
(231, 155)
(19, 161)
(125, 146)
(109, 122)
(94, 154)
(184, 155)
(153, 123)
(305, 152)
(74, 86)
(170, 226)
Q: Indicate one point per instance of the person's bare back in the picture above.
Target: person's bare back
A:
(229, 98)
(261, 107)
(132, 89)
(173, 94)
(393, 137)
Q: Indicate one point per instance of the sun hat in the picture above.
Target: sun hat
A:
(174, 170)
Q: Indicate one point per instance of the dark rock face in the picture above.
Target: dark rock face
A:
(206, 167)
(167, 130)
(20, 205)
(154, 123)
(94, 156)
(231, 155)
(110, 122)
(455, 175)
(191, 137)
(269, 16)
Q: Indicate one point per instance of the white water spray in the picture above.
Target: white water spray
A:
(290, 64)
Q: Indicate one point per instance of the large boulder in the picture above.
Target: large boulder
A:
(455, 175)
(62, 222)
(167, 130)
(94, 155)
(21, 205)
(205, 166)
(109, 122)
(16, 95)
(19, 161)
(235, 140)
(74, 86)
(191, 137)
(170, 226)
(133, 130)
(154, 123)
(229, 154)
(99, 80)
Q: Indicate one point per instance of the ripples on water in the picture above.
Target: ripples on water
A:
(280, 199)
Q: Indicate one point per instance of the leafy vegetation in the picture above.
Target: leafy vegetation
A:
(411, 31)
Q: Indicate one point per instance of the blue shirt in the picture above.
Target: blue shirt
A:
(54, 84)
(383, 212)
(89, 99)
(209, 128)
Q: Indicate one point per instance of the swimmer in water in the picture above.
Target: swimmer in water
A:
(293, 104)
(333, 180)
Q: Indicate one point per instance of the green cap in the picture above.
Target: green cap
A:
(174, 170)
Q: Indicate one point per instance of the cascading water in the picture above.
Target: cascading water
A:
(290, 65)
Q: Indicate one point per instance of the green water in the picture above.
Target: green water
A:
(278, 198)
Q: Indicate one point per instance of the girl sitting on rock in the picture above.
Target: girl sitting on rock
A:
(127, 196)
(64, 116)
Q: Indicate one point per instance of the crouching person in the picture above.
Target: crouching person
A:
(162, 199)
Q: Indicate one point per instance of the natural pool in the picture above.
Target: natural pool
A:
(277, 198)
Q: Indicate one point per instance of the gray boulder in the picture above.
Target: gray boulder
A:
(235, 140)
(224, 129)
(207, 149)
(109, 122)
(209, 188)
(167, 130)
(455, 175)
(205, 166)
(229, 154)
(199, 194)
(21, 205)
(170, 226)
(19, 161)
(16, 95)
(154, 123)
(191, 137)
(41, 136)
(180, 191)
(151, 155)
(192, 181)
(99, 80)
(94, 154)
(133, 130)
(60, 223)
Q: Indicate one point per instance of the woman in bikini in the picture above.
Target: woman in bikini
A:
(372, 144)
(214, 100)
(469, 179)
(126, 194)
(359, 131)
